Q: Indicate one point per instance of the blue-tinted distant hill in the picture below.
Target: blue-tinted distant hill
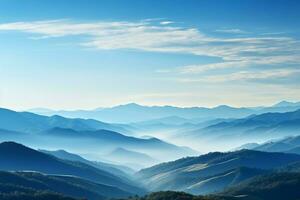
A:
(213, 171)
(131, 158)
(33, 123)
(287, 104)
(130, 113)
(286, 144)
(118, 170)
(108, 141)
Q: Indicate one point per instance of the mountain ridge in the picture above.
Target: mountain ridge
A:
(17, 157)
(144, 113)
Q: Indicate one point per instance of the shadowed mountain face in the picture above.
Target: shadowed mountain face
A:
(17, 157)
(273, 186)
(67, 185)
(213, 171)
(15, 192)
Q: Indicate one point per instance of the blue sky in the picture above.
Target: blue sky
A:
(85, 54)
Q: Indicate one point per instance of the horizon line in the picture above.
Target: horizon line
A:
(144, 105)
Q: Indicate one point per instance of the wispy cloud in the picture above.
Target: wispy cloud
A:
(166, 22)
(146, 35)
(234, 31)
(274, 33)
(243, 62)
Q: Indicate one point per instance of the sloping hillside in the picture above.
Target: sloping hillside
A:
(211, 172)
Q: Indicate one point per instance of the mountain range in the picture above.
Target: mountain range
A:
(94, 138)
(33, 123)
(253, 128)
(244, 174)
(138, 113)
(115, 160)
(225, 127)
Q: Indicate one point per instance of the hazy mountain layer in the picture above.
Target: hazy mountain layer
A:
(134, 159)
(106, 141)
(114, 169)
(287, 144)
(255, 128)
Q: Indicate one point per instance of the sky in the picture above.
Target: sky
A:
(78, 54)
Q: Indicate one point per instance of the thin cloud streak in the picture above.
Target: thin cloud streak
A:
(244, 62)
(166, 22)
(234, 31)
(266, 75)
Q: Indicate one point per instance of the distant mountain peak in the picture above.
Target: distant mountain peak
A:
(132, 105)
(286, 104)
(40, 110)
(10, 144)
(223, 107)
(15, 149)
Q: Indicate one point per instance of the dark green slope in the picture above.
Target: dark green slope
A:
(275, 186)
(16, 192)
(72, 187)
